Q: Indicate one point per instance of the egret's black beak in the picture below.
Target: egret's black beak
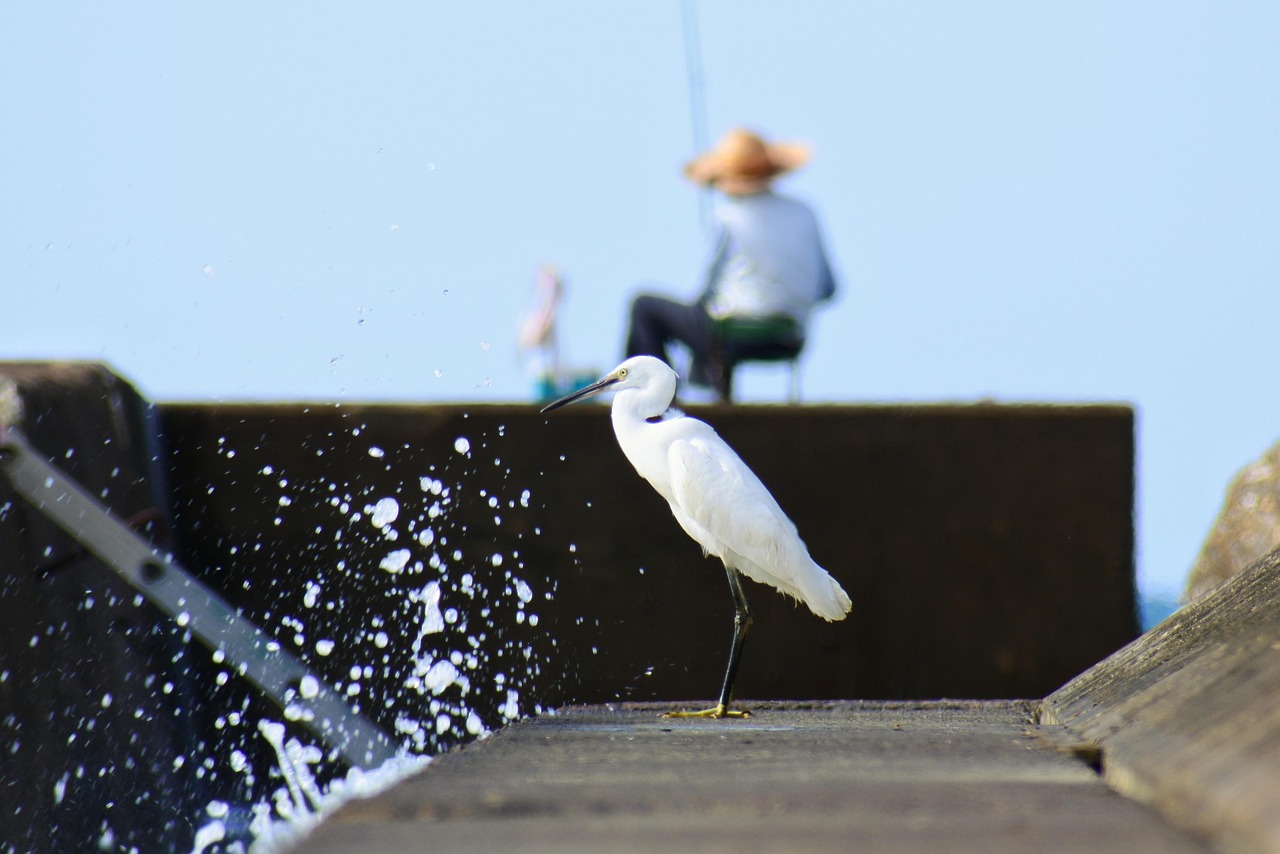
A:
(594, 388)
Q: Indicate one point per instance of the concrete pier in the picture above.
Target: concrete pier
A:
(1188, 715)
(1168, 745)
(845, 776)
(988, 550)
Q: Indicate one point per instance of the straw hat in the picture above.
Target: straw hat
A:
(743, 163)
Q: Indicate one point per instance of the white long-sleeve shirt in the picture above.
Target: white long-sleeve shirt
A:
(767, 257)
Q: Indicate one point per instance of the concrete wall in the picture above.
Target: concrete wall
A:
(83, 662)
(988, 549)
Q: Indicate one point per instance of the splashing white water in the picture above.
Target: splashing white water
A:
(301, 804)
(427, 672)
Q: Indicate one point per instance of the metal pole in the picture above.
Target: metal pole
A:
(697, 95)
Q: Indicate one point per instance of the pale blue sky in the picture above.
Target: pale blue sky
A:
(1067, 202)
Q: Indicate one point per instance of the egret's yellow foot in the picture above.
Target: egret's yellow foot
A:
(718, 712)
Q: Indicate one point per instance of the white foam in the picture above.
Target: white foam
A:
(301, 805)
(210, 834)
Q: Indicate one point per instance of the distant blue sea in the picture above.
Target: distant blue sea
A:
(1152, 609)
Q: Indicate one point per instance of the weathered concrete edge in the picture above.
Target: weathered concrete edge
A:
(1185, 718)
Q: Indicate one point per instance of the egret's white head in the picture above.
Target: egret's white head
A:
(649, 376)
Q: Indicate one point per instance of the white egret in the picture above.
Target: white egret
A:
(716, 499)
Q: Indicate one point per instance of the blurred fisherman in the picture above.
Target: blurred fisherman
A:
(766, 258)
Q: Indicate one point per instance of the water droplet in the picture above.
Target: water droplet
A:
(511, 709)
(386, 511)
(395, 562)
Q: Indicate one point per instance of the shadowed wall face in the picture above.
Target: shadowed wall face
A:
(988, 549)
(95, 689)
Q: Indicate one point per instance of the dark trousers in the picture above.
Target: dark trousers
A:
(657, 321)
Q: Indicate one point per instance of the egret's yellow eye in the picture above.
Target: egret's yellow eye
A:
(622, 373)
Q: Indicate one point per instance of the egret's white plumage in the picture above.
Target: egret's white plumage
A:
(717, 500)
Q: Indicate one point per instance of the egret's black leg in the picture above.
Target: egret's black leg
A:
(741, 623)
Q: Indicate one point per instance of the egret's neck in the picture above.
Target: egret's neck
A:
(634, 405)
(644, 443)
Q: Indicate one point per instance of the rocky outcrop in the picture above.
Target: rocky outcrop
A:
(1247, 528)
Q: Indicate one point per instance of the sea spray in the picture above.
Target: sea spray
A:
(395, 607)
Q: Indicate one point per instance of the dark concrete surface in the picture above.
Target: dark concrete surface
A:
(79, 650)
(844, 776)
(988, 549)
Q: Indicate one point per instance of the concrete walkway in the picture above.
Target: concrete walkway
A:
(846, 776)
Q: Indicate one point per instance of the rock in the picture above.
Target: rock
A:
(1247, 528)
(10, 404)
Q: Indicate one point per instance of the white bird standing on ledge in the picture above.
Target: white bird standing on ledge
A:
(715, 498)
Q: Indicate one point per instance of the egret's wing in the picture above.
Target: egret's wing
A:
(734, 515)
(724, 506)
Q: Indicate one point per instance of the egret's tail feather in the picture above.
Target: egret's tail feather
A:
(796, 575)
(828, 600)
